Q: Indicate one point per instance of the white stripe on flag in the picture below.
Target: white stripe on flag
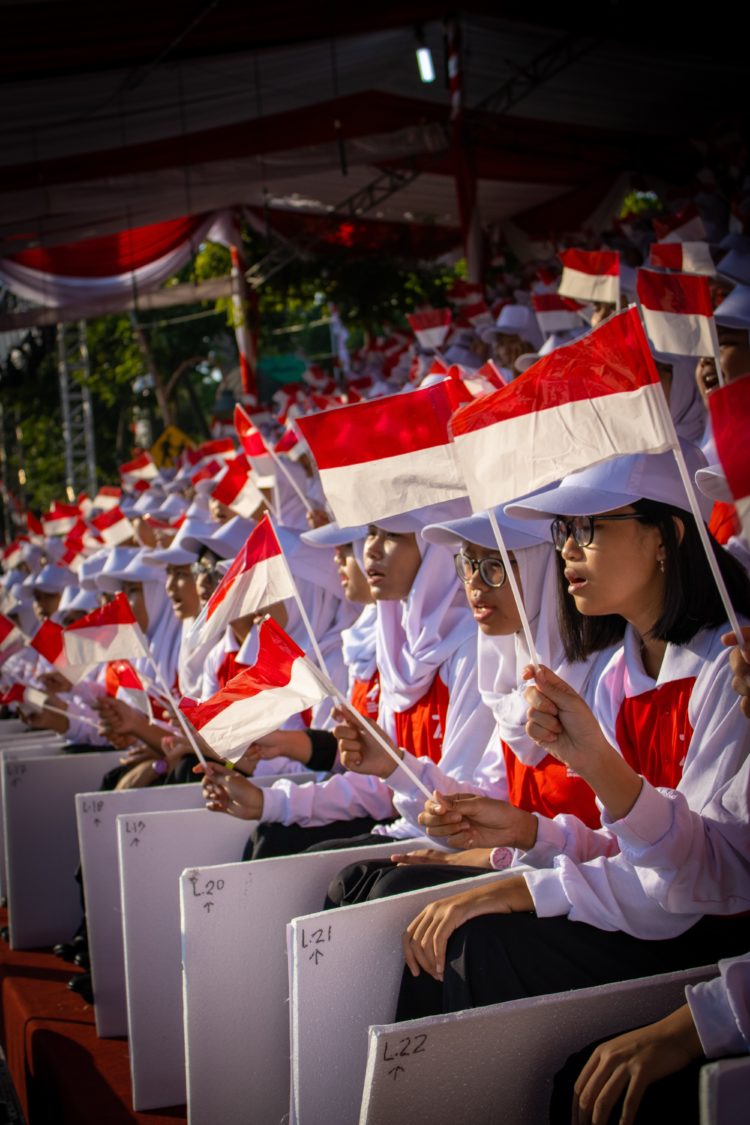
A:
(496, 462)
(678, 333)
(268, 581)
(589, 286)
(372, 490)
(432, 337)
(101, 643)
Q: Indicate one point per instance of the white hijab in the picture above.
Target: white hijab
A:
(358, 645)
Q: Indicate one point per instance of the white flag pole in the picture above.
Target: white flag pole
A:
(282, 467)
(533, 656)
(697, 516)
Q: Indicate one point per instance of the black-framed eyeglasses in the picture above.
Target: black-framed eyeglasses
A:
(582, 528)
(491, 571)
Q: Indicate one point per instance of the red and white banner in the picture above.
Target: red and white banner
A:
(430, 327)
(590, 275)
(596, 398)
(114, 527)
(60, 519)
(11, 555)
(139, 469)
(281, 683)
(555, 313)
(236, 490)
(253, 443)
(389, 455)
(258, 577)
(677, 311)
(684, 257)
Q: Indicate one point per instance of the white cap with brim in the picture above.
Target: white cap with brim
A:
(736, 264)
(54, 579)
(79, 601)
(519, 320)
(179, 553)
(118, 559)
(615, 484)
(712, 483)
(172, 507)
(734, 310)
(478, 529)
(225, 540)
(331, 535)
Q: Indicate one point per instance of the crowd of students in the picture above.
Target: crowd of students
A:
(609, 782)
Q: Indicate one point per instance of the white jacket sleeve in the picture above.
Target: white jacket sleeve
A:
(721, 1009)
(464, 765)
(341, 797)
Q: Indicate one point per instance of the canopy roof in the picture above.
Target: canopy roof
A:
(131, 113)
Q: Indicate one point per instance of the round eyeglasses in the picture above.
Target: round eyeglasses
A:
(582, 528)
(491, 571)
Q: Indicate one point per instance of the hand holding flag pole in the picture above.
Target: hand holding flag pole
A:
(169, 698)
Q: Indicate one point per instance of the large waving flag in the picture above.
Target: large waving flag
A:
(389, 455)
(729, 407)
(590, 275)
(685, 257)
(677, 312)
(108, 633)
(258, 577)
(588, 401)
(280, 683)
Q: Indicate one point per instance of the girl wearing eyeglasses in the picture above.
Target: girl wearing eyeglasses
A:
(665, 715)
(513, 768)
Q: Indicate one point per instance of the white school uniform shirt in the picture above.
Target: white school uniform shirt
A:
(721, 1009)
(591, 880)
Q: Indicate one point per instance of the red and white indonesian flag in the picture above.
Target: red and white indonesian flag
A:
(590, 275)
(107, 498)
(11, 638)
(60, 519)
(729, 407)
(123, 682)
(389, 455)
(597, 398)
(139, 469)
(555, 313)
(677, 312)
(685, 257)
(114, 527)
(258, 577)
(236, 490)
(281, 683)
(108, 633)
(430, 327)
(253, 443)
(34, 527)
(680, 227)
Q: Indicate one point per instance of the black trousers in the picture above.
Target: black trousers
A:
(672, 1098)
(379, 878)
(500, 957)
(272, 839)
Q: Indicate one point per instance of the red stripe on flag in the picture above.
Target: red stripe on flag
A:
(729, 407)
(666, 255)
(232, 482)
(598, 263)
(261, 544)
(553, 302)
(108, 519)
(610, 360)
(251, 439)
(685, 293)
(116, 612)
(387, 427)
(48, 641)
